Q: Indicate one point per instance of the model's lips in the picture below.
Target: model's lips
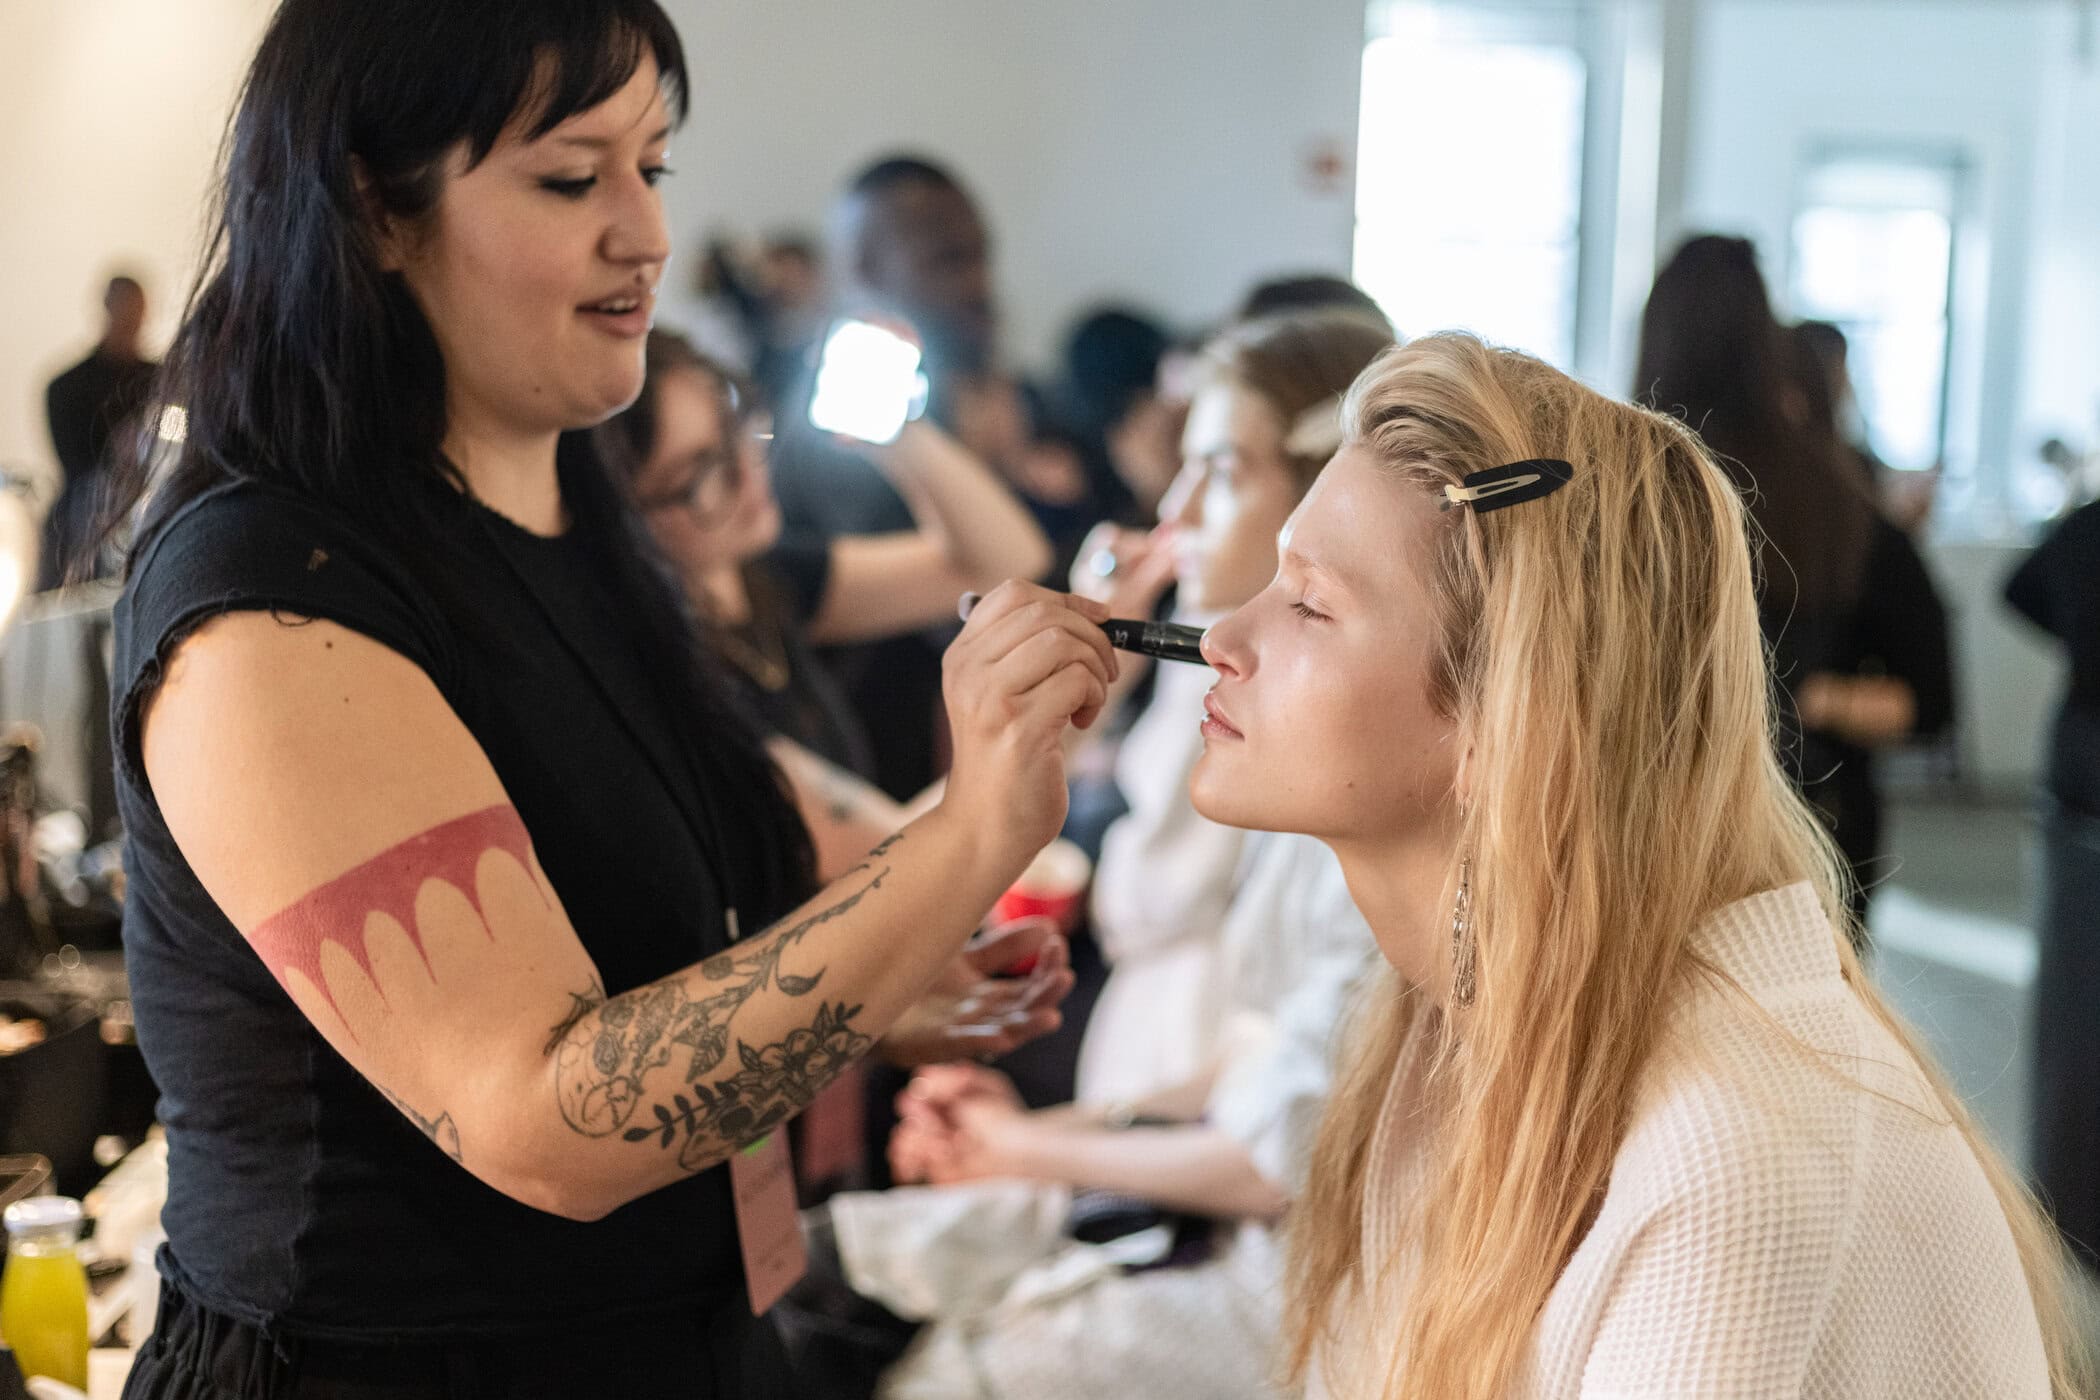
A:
(1215, 723)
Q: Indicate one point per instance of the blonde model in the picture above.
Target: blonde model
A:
(1627, 1118)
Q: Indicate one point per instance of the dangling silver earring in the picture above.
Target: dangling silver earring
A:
(1463, 951)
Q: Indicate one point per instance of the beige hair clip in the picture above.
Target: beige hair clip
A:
(1317, 432)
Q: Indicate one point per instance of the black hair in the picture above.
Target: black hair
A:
(1827, 340)
(894, 172)
(1314, 291)
(1712, 352)
(122, 282)
(304, 365)
(793, 244)
(1111, 361)
(301, 360)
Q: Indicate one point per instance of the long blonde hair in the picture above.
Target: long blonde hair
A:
(1599, 654)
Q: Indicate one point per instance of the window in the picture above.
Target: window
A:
(1873, 252)
(1469, 172)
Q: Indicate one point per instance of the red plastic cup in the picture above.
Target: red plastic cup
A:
(1052, 887)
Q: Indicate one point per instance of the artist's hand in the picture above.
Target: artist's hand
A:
(973, 1012)
(1028, 663)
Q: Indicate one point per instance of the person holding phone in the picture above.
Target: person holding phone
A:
(471, 934)
(693, 450)
(908, 244)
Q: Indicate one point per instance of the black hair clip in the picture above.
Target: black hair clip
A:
(1506, 486)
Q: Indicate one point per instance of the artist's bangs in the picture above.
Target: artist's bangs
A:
(557, 59)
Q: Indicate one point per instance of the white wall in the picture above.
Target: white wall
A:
(2060, 364)
(1149, 150)
(1774, 78)
(110, 116)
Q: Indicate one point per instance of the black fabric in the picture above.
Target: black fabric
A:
(894, 685)
(2058, 589)
(85, 406)
(197, 1354)
(838, 1342)
(801, 566)
(1801, 645)
(2066, 1141)
(1898, 629)
(299, 1201)
(776, 675)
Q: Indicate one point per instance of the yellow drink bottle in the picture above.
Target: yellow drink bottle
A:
(43, 1294)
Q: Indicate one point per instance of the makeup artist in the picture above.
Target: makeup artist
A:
(442, 837)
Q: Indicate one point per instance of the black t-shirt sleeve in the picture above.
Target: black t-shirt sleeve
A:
(246, 549)
(802, 564)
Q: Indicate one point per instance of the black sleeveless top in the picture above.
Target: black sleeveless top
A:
(299, 1200)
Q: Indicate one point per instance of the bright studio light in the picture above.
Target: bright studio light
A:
(868, 383)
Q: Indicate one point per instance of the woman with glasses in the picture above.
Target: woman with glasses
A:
(694, 451)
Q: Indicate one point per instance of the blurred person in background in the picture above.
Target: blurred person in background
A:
(1889, 679)
(1263, 422)
(1111, 563)
(1306, 292)
(756, 312)
(2058, 589)
(1906, 497)
(86, 407)
(693, 448)
(1713, 354)
(907, 243)
(790, 277)
(1111, 371)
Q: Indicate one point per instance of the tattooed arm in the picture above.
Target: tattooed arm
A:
(352, 829)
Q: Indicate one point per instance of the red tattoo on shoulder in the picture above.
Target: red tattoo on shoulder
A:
(388, 884)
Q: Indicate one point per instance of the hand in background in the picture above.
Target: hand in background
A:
(1865, 710)
(973, 1012)
(958, 1123)
(1139, 566)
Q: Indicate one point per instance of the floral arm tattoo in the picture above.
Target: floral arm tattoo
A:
(605, 1050)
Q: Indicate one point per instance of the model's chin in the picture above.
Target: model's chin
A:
(1215, 796)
